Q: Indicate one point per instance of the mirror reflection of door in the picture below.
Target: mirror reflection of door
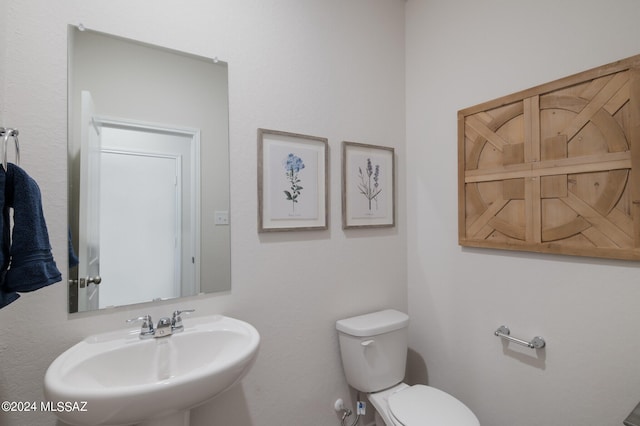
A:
(153, 217)
(147, 194)
(145, 218)
(158, 91)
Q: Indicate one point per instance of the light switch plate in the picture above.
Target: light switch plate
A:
(221, 217)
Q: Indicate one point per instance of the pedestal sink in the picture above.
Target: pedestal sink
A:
(118, 379)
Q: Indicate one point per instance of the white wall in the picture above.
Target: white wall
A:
(335, 69)
(3, 58)
(460, 54)
(324, 68)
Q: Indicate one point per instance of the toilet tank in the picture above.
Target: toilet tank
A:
(374, 349)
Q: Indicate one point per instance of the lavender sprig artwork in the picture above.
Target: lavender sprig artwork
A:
(292, 165)
(369, 185)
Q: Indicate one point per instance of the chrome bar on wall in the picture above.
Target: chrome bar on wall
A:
(5, 134)
(535, 343)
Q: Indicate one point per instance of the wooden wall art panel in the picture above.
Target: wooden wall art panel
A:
(555, 168)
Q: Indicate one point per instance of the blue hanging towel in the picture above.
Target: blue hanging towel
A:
(30, 263)
(6, 296)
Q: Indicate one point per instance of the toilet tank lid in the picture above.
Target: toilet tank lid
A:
(373, 323)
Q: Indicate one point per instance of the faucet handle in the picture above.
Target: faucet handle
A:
(176, 321)
(147, 326)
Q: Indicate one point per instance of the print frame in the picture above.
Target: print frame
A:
(368, 186)
(293, 181)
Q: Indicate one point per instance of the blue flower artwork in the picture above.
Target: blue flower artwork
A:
(292, 166)
(294, 180)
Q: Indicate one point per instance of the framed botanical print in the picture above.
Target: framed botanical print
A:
(368, 186)
(292, 181)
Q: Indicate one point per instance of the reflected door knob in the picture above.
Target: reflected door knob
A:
(89, 280)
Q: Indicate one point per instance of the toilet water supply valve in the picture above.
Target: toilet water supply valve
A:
(361, 408)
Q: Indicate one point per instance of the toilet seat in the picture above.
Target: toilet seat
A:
(421, 405)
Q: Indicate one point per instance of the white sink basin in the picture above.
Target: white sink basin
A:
(125, 380)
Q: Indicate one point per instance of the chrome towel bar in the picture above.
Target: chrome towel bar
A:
(536, 343)
(5, 134)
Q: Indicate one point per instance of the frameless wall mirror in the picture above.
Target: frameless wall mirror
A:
(148, 173)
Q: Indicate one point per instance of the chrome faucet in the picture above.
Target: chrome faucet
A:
(166, 326)
(176, 320)
(146, 331)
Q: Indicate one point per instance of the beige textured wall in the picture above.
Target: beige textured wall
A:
(325, 68)
(460, 54)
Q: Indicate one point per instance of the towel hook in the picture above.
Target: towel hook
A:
(10, 133)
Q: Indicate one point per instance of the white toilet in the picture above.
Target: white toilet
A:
(374, 357)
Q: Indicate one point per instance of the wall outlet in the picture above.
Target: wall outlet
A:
(221, 217)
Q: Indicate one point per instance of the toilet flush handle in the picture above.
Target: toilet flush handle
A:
(366, 343)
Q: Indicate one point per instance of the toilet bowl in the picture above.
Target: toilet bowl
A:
(373, 348)
(420, 405)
